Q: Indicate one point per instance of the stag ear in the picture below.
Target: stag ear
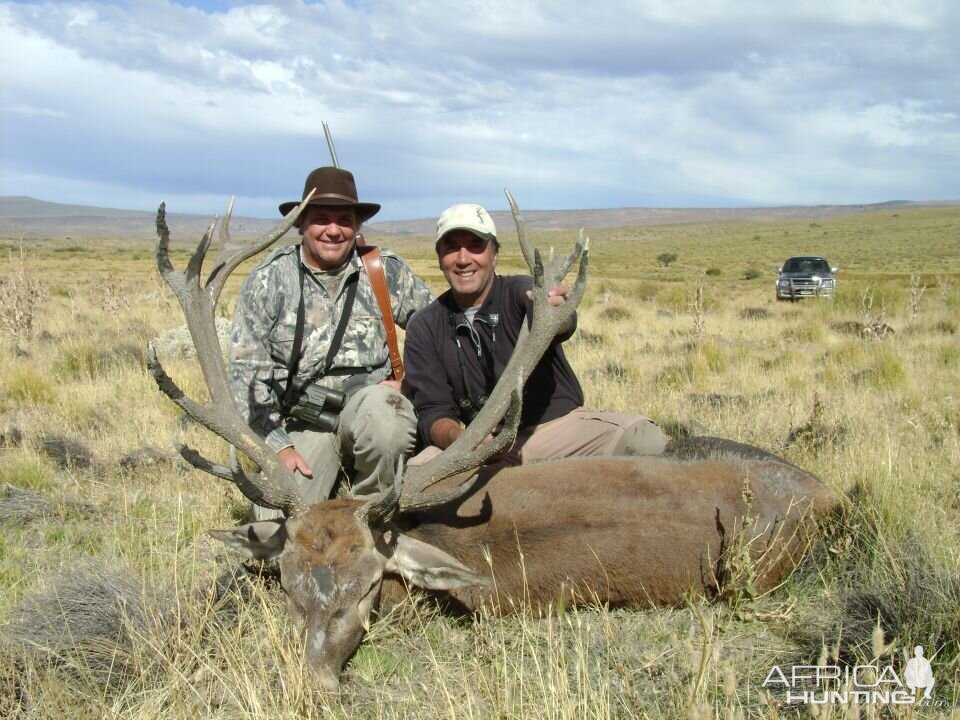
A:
(426, 566)
(262, 540)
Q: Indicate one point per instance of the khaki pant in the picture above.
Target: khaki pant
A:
(581, 432)
(377, 427)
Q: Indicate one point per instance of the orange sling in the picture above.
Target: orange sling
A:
(370, 254)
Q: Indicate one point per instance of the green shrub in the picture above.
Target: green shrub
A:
(673, 299)
(713, 272)
(26, 386)
(645, 291)
(713, 356)
(807, 332)
(81, 538)
(885, 372)
(89, 359)
(25, 473)
(666, 259)
(752, 273)
(615, 313)
(847, 355)
(849, 298)
(673, 378)
(952, 300)
(949, 356)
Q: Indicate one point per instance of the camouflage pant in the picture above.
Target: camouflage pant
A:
(377, 427)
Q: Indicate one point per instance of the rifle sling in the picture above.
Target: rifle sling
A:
(370, 254)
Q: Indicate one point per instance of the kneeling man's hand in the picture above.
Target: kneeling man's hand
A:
(295, 462)
(556, 296)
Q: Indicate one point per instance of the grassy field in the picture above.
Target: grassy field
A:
(100, 521)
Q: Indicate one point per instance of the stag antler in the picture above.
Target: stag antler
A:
(545, 321)
(271, 485)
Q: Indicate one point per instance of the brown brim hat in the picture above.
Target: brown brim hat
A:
(335, 188)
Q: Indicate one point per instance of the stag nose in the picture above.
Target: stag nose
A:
(327, 681)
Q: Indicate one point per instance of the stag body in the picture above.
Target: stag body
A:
(633, 532)
(623, 531)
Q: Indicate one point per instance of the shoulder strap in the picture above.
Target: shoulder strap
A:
(370, 254)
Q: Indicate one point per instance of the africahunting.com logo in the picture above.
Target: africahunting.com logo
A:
(860, 684)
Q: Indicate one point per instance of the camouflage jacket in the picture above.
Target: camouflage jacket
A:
(264, 324)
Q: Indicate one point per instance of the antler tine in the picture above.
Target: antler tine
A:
(226, 264)
(567, 263)
(195, 265)
(469, 450)
(525, 247)
(467, 456)
(272, 485)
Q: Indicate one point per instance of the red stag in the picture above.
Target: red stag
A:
(621, 531)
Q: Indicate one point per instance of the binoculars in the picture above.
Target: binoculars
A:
(319, 406)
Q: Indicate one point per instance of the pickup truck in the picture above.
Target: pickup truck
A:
(805, 276)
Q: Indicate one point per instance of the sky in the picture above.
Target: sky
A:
(570, 105)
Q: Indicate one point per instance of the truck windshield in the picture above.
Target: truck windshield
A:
(806, 265)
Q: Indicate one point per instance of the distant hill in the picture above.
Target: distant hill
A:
(32, 218)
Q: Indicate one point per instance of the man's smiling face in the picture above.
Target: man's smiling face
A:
(468, 263)
(328, 235)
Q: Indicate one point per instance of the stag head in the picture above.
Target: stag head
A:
(334, 554)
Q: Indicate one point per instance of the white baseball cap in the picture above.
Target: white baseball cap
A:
(467, 216)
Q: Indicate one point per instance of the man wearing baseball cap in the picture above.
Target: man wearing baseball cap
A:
(309, 362)
(457, 347)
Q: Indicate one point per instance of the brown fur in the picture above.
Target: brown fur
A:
(713, 518)
(623, 531)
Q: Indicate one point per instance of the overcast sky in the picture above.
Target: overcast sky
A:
(653, 103)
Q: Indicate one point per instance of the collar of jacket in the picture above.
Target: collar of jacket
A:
(354, 262)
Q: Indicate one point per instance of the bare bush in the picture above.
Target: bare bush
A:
(816, 435)
(695, 306)
(916, 292)
(874, 323)
(113, 298)
(22, 293)
(944, 282)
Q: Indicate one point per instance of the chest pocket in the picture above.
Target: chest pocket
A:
(364, 343)
(281, 346)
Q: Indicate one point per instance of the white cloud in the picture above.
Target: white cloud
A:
(569, 104)
(30, 111)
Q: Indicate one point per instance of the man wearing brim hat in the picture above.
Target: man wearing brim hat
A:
(309, 364)
(457, 348)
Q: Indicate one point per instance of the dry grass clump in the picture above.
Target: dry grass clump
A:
(817, 434)
(754, 313)
(615, 313)
(20, 505)
(90, 483)
(895, 588)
